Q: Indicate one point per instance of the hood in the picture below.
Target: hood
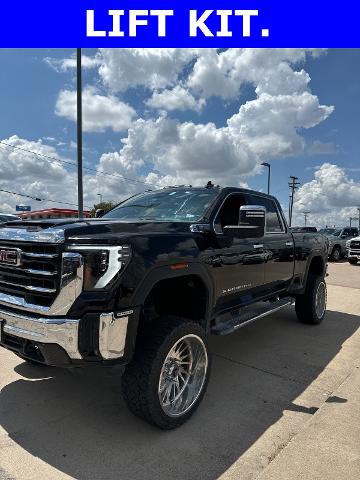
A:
(95, 230)
(356, 239)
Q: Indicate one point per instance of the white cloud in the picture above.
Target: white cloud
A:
(49, 178)
(264, 128)
(152, 68)
(33, 175)
(267, 127)
(331, 197)
(224, 74)
(99, 112)
(270, 124)
(66, 64)
(178, 98)
(160, 150)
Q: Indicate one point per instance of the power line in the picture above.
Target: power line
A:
(73, 164)
(40, 199)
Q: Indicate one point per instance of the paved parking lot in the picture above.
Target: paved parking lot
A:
(283, 403)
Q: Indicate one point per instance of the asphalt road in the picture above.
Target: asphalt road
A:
(276, 392)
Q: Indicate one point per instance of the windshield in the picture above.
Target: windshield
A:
(327, 231)
(174, 205)
(336, 233)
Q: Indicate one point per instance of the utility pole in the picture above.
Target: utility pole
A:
(79, 134)
(101, 197)
(351, 219)
(305, 216)
(293, 184)
(265, 164)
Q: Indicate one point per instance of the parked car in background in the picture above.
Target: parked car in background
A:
(303, 229)
(353, 250)
(6, 217)
(338, 239)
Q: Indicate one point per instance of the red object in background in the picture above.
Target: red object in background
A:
(52, 213)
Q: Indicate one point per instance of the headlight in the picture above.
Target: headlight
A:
(102, 263)
(348, 243)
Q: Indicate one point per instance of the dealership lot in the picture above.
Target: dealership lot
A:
(282, 403)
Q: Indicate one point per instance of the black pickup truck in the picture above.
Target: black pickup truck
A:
(148, 282)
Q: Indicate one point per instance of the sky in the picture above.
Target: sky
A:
(157, 117)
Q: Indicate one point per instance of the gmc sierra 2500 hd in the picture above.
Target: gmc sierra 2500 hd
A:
(146, 284)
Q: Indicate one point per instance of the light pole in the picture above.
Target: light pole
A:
(79, 134)
(265, 164)
(359, 217)
(305, 216)
(101, 197)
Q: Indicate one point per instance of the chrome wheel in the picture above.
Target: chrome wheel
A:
(320, 300)
(183, 375)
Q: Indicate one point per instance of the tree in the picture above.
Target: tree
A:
(106, 206)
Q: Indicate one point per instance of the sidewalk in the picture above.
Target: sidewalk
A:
(329, 446)
(320, 438)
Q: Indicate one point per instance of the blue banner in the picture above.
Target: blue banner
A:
(185, 23)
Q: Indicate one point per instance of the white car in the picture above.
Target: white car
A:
(353, 250)
(7, 217)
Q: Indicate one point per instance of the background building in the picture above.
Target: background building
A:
(52, 213)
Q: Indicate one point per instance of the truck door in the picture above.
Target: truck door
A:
(237, 264)
(278, 246)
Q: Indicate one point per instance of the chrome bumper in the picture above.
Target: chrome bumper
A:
(353, 253)
(65, 332)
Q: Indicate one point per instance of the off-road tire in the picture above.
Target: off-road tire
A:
(305, 304)
(140, 380)
(336, 254)
(352, 261)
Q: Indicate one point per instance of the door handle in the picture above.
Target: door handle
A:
(289, 244)
(258, 245)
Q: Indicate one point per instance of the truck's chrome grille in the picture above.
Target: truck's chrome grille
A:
(37, 277)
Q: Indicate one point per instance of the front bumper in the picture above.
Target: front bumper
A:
(353, 253)
(58, 340)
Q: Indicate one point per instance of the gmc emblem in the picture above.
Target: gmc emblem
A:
(10, 256)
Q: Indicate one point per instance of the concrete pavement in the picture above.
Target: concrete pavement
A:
(282, 403)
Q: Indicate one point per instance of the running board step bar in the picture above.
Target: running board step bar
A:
(228, 323)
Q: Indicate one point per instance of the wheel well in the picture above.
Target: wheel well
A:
(185, 296)
(317, 267)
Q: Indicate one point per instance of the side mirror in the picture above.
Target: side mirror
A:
(99, 213)
(251, 223)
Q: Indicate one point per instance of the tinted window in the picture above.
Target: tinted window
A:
(273, 223)
(229, 212)
(346, 232)
(354, 231)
